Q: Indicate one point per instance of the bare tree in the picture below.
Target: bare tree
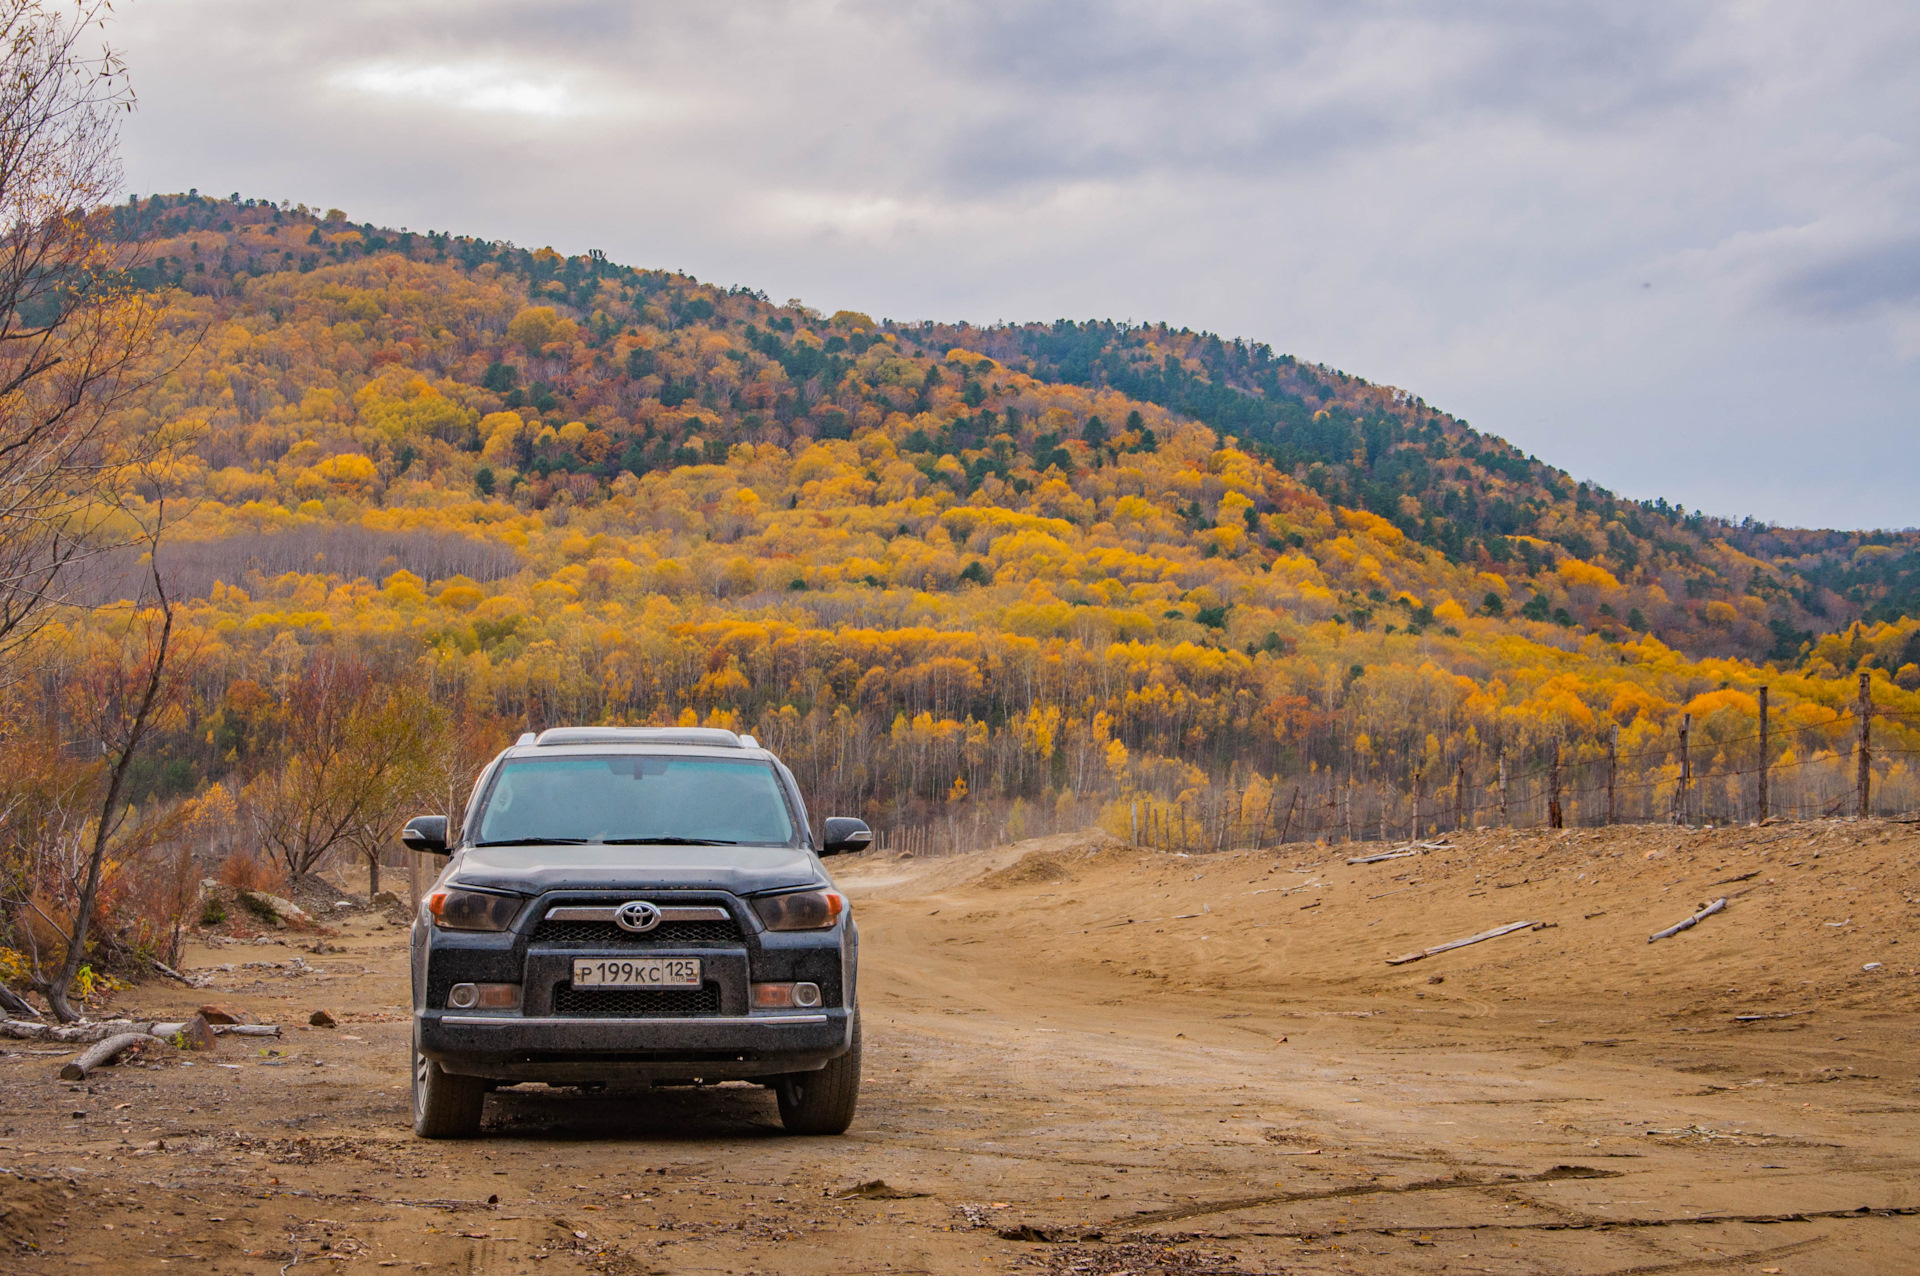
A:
(125, 700)
(70, 818)
(351, 750)
(73, 334)
(454, 758)
(452, 749)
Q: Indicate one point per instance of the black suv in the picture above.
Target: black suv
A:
(635, 905)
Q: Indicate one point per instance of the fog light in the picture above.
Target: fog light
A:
(785, 996)
(484, 996)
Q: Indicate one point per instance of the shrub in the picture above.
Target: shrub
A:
(244, 871)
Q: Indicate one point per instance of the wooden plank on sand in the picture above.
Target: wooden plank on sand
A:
(1484, 935)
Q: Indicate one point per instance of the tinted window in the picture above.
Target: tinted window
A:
(635, 798)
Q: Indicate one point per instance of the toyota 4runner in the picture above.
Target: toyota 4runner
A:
(635, 905)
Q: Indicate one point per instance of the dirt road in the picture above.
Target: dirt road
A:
(1088, 1058)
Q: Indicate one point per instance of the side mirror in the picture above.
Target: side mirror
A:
(427, 834)
(844, 833)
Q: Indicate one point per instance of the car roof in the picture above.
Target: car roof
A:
(685, 741)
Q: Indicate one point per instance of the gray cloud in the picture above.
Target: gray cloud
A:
(1855, 283)
(1597, 229)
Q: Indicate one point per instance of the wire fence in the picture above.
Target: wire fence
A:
(1808, 771)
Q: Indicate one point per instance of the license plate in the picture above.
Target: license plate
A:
(620, 972)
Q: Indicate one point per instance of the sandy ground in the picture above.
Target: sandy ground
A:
(1094, 1059)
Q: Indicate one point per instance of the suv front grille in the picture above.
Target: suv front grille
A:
(637, 1003)
(556, 932)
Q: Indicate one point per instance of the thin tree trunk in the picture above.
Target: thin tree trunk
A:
(56, 990)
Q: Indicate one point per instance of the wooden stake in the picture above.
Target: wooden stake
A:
(1418, 778)
(1287, 827)
(1613, 771)
(1460, 818)
(1864, 711)
(1766, 757)
(1554, 817)
(1506, 820)
(1683, 815)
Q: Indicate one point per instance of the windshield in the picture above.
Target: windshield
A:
(635, 798)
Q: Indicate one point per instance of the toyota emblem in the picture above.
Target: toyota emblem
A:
(637, 915)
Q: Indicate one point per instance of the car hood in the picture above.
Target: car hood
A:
(743, 870)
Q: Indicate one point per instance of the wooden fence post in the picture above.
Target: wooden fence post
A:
(1766, 757)
(1349, 804)
(1419, 778)
(1864, 710)
(1506, 819)
(1554, 817)
(1461, 819)
(1613, 771)
(1288, 826)
(1682, 798)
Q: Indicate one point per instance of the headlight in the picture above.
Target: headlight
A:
(473, 910)
(806, 910)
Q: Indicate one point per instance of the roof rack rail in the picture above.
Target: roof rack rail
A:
(705, 737)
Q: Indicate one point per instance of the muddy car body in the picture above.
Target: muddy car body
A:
(635, 905)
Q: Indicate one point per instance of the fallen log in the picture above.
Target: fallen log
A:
(1688, 924)
(83, 1033)
(77, 1033)
(101, 1053)
(1483, 936)
(169, 971)
(14, 1004)
(1405, 852)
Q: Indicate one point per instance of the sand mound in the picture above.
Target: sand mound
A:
(1038, 859)
(1818, 914)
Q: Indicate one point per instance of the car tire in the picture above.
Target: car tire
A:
(445, 1106)
(822, 1102)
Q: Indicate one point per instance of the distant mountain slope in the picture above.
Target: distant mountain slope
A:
(1458, 490)
(949, 570)
(1702, 584)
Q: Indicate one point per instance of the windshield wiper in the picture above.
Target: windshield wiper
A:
(667, 841)
(536, 841)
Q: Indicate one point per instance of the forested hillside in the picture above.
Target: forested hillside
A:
(952, 573)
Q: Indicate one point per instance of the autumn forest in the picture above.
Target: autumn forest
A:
(418, 492)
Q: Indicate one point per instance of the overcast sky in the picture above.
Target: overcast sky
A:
(1669, 245)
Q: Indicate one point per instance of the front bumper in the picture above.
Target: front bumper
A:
(548, 1040)
(566, 1049)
